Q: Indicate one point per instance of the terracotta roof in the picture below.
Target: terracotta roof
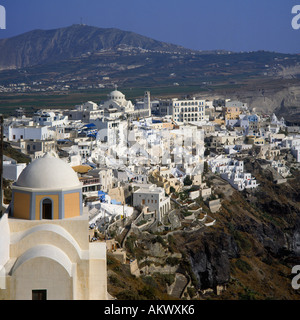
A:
(82, 169)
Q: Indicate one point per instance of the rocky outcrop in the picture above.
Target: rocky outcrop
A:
(210, 259)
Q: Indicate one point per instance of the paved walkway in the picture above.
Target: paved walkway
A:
(180, 283)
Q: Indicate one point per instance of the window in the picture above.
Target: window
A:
(47, 209)
(39, 294)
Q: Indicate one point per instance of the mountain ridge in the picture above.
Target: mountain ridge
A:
(44, 46)
(80, 57)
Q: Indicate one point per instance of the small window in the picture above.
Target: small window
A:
(39, 294)
(47, 209)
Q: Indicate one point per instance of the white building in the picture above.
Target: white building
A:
(116, 100)
(109, 129)
(275, 121)
(153, 197)
(106, 212)
(187, 110)
(235, 166)
(50, 118)
(13, 121)
(291, 141)
(84, 148)
(232, 171)
(235, 103)
(296, 152)
(85, 112)
(17, 132)
(12, 169)
(143, 108)
(240, 180)
(281, 168)
(218, 161)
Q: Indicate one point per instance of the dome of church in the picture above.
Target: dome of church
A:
(48, 173)
(116, 95)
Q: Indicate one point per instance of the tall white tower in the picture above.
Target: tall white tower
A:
(147, 103)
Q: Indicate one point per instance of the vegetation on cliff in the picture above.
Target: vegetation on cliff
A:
(248, 254)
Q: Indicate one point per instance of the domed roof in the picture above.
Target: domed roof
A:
(48, 173)
(116, 95)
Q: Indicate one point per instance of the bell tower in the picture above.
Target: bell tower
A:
(147, 103)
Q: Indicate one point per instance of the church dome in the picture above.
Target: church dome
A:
(48, 173)
(116, 95)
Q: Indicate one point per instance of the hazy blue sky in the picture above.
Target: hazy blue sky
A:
(237, 25)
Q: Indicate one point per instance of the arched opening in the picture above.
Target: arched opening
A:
(47, 209)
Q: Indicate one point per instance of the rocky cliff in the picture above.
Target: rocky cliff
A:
(248, 254)
(254, 245)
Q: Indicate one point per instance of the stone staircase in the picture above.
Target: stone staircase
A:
(179, 285)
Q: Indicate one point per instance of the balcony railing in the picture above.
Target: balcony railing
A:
(90, 181)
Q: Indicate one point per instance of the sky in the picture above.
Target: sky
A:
(235, 25)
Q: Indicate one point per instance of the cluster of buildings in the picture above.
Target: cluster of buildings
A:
(238, 133)
(152, 142)
(95, 164)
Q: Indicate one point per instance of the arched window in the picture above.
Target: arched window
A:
(47, 209)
